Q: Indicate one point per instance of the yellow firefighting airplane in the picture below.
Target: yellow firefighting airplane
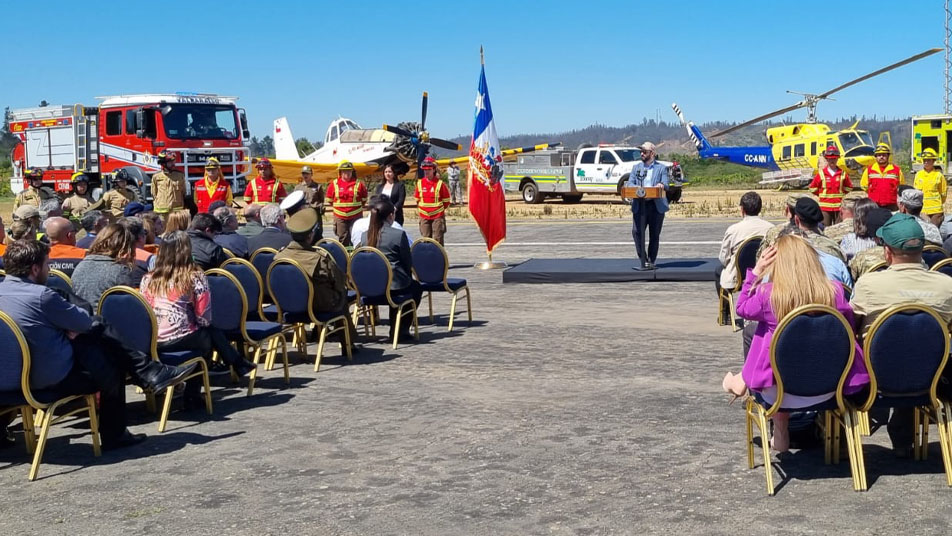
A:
(403, 146)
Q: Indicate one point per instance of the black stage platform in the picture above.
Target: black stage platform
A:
(609, 271)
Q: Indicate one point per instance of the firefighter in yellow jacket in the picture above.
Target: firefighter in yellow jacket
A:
(168, 186)
(35, 193)
(931, 181)
(115, 200)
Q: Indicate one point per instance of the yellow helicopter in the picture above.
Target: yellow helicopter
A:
(795, 151)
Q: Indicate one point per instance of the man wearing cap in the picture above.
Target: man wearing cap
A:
(313, 192)
(168, 187)
(838, 231)
(452, 174)
(807, 219)
(35, 193)
(931, 181)
(830, 184)
(905, 281)
(330, 283)
(882, 179)
(347, 196)
(910, 202)
(648, 213)
(265, 188)
(80, 200)
(867, 259)
(29, 215)
(433, 198)
(212, 188)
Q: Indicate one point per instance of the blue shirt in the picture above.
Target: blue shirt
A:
(44, 317)
(233, 242)
(835, 269)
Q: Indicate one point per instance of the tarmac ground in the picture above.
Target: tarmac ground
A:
(561, 409)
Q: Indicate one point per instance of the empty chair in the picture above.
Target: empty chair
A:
(293, 295)
(128, 312)
(253, 284)
(25, 400)
(230, 313)
(431, 266)
(59, 280)
(371, 273)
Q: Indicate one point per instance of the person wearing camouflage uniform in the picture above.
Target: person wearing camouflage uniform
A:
(845, 227)
(813, 234)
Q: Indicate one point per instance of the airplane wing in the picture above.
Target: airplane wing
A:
(506, 153)
(289, 171)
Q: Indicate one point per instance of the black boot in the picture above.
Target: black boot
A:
(159, 376)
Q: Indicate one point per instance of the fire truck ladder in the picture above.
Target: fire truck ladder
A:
(87, 141)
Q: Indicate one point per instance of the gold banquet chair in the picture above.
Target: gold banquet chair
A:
(894, 383)
(431, 265)
(811, 353)
(44, 402)
(745, 257)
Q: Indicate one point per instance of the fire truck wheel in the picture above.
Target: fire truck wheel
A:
(531, 194)
(571, 199)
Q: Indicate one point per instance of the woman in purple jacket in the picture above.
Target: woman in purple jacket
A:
(788, 275)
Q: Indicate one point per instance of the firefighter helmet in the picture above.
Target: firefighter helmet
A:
(929, 154)
(263, 163)
(882, 148)
(212, 163)
(428, 163)
(79, 176)
(832, 150)
(34, 173)
(121, 175)
(165, 156)
(345, 165)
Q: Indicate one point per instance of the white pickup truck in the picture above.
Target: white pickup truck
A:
(571, 174)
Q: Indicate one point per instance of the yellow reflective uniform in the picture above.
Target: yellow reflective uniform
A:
(934, 188)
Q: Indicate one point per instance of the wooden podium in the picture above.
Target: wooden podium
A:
(642, 192)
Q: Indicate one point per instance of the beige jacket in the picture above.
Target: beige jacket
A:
(733, 237)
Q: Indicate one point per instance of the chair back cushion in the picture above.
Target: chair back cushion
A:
(11, 356)
(944, 269)
(338, 252)
(262, 261)
(289, 287)
(249, 283)
(57, 282)
(370, 271)
(131, 319)
(226, 302)
(901, 366)
(811, 353)
(747, 255)
(932, 256)
(429, 263)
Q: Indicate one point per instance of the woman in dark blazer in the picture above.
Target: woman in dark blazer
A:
(394, 189)
(395, 245)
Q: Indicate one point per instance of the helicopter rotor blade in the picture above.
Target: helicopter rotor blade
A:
(446, 144)
(911, 59)
(423, 115)
(758, 119)
(399, 131)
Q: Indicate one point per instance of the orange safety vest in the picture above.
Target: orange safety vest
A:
(348, 199)
(829, 187)
(883, 183)
(431, 202)
(204, 198)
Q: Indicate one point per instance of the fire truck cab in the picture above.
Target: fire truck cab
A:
(126, 132)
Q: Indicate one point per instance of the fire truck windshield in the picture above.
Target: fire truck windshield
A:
(199, 121)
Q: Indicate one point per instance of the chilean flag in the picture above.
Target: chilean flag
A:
(487, 201)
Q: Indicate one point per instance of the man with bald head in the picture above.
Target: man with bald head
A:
(64, 255)
(252, 226)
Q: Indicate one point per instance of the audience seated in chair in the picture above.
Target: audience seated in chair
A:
(201, 232)
(110, 262)
(860, 237)
(803, 212)
(178, 293)
(92, 222)
(228, 238)
(144, 259)
(154, 229)
(393, 243)
(868, 259)
(787, 275)
(837, 231)
(751, 224)
(178, 221)
(64, 255)
(910, 202)
(252, 225)
(274, 234)
(906, 281)
(72, 349)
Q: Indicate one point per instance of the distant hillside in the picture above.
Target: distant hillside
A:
(673, 139)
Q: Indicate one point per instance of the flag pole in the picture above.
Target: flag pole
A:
(489, 264)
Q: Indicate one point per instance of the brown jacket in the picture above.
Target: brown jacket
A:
(313, 195)
(330, 284)
(168, 191)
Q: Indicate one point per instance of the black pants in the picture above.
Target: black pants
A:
(95, 369)
(203, 341)
(416, 291)
(647, 217)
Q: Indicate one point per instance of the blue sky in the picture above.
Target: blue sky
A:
(551, 66)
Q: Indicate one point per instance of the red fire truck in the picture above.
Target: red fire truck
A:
(127, 132)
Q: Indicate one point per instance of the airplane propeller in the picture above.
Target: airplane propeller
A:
(810, 100)
(417, 141)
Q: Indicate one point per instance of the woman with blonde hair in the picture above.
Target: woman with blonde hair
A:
(178, 221)
(178, 293)
(787, 275)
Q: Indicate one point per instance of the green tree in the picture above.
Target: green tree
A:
(304, 147)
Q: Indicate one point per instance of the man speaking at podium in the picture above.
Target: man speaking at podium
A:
(650, 179)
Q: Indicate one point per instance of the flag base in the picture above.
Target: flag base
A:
(490, 265)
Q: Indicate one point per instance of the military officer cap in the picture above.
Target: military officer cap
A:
(293, 202)
(303, 221)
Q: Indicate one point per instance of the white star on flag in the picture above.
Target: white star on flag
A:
(479, 102)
